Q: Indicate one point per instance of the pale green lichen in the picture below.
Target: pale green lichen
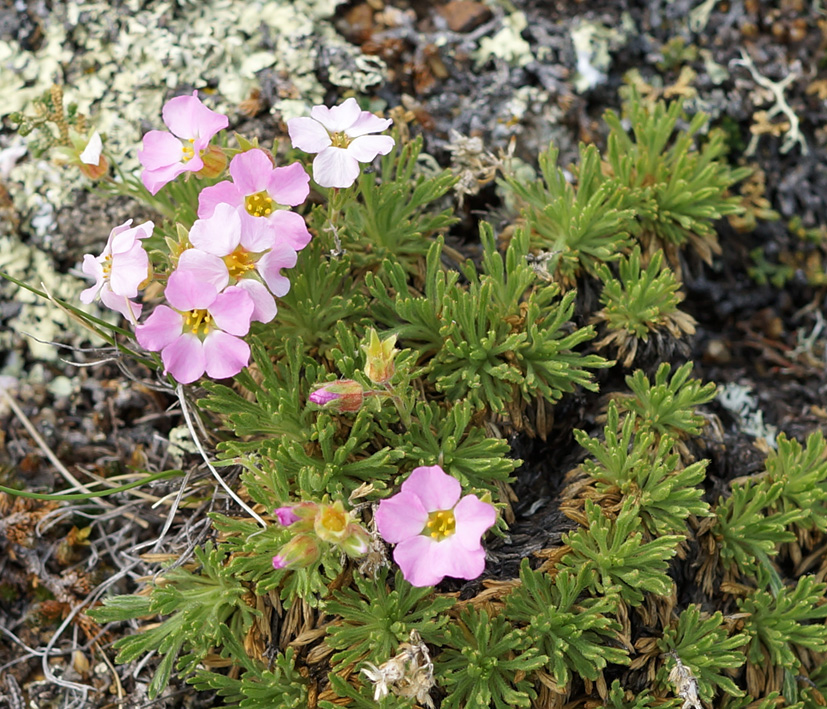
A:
(593, 43)
(739, 401)
(39, 321)
(507, 43)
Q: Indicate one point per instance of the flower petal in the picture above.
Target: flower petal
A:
(308, 134)
(257, 235)
(367, 123)
(400, 517)
(129, 270)
(335, 167)
(421, 561)
(270, 265)
(184, 358)
(225, 355)
(232, 310)
(367, 147)
(91, 267)
(289, 185)
(338, 118)
(435, 489)
(187, 291)
(91, 154)
(220, 233)
(121, 304)
(264, 305)
(473, 517)
(290, 229)
(222, 193)
(204, 267)
(160, 149)
(251, 171)
(188, 118)
(459, 562)
(161, 329)
(154, 180)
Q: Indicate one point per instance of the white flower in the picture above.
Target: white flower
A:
(341, 137)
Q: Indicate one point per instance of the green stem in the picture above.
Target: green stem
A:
(61, 497)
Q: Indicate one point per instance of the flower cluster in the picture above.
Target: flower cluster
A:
(313, 523)
(227, 270)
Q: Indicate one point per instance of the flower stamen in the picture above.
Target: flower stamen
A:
(195, 320)
(340, 140)
(441, 524)
(238, 263)
(188, 151)
(259, 204)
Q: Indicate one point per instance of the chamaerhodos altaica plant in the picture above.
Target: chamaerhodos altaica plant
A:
(368, 389)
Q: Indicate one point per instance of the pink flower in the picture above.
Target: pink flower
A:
(202, 330)
(247, 252)
(437, 534)
(120, 270)
(167, 155)
(340, 136)
(260, 191)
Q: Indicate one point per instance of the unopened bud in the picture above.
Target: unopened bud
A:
(214, 160)
(356, 541)
(300, 552)
(343, 395)
(286, 516)
(379, 356)
(290, 514)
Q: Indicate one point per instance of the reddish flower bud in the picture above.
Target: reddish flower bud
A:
(301, 551)
(215, 161)
(343, 395)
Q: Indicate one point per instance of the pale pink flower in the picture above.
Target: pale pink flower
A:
(261, 193)
(437, 534)
(202, 330)
(166, 155)
(247, 252)
(120, 270)
(340, 136)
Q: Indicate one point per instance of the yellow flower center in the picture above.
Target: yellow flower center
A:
(259, 204)
(238, 263)
(440, 525)
(107, 266)
(188, 151)
(334, 520)
(196, 320)
(340, 140)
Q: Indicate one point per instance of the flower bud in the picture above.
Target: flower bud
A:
(87, 155)
(215, 160)
(379, 355)
(286, 516)
(343, 395)
(95, 172)
(300, 552)
(356, 541)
